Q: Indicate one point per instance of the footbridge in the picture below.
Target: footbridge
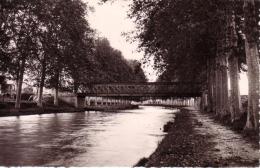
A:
(150, 89)
(109, 94)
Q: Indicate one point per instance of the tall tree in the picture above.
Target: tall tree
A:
(190, 39)
(44, 38)
(233, 65)
(252, 58)
(21, 29)
(71, 41)
(138, 73)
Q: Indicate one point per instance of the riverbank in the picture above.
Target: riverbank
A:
(195, 139)
(111, 108)
(37, 111)
(34, 110)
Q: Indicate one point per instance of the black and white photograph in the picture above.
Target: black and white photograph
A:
(129, 83)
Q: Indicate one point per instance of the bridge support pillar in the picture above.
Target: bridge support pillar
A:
(112, 101)
(86, 101)
(80, 102)
(104, 101)
(96, 100)
(192, 102)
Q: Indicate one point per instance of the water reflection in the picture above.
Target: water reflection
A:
(82, 139)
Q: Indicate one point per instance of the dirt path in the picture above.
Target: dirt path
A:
(195, 139)
(230, 146)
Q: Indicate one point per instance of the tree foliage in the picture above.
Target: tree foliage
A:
(195, 40)
(198, 41)
(52, 43)
(110, 66)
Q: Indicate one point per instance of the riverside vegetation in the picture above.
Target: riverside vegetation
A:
(204, 41)
(49, 43)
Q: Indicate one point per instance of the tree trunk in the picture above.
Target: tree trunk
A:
(218, 91)
(210, 85)
(43, 74)
(235, 100)
(19, 85)
(56, 92)
(224, 88)
(252, 58)
(214, 85)
(75, 86)
(204, 101)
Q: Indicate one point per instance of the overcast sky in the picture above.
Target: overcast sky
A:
(110, 21)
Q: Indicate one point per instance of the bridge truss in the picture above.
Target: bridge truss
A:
(150, 89)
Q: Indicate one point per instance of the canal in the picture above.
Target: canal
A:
(82, 139)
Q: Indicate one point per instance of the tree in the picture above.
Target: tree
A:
(108, 65)
(194, 38)
(71, 42)
(45, 39)
(138, 73)
(20, 28)
(233, 64)
(111, 65)
(252, 58)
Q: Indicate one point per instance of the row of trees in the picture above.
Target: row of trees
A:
(51, 42)
(40, 38)
(204, 41)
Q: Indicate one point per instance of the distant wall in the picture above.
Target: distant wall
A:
(71, 99)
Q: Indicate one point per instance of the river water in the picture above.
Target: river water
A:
(82, 139)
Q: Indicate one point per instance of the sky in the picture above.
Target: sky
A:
(110, 20)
